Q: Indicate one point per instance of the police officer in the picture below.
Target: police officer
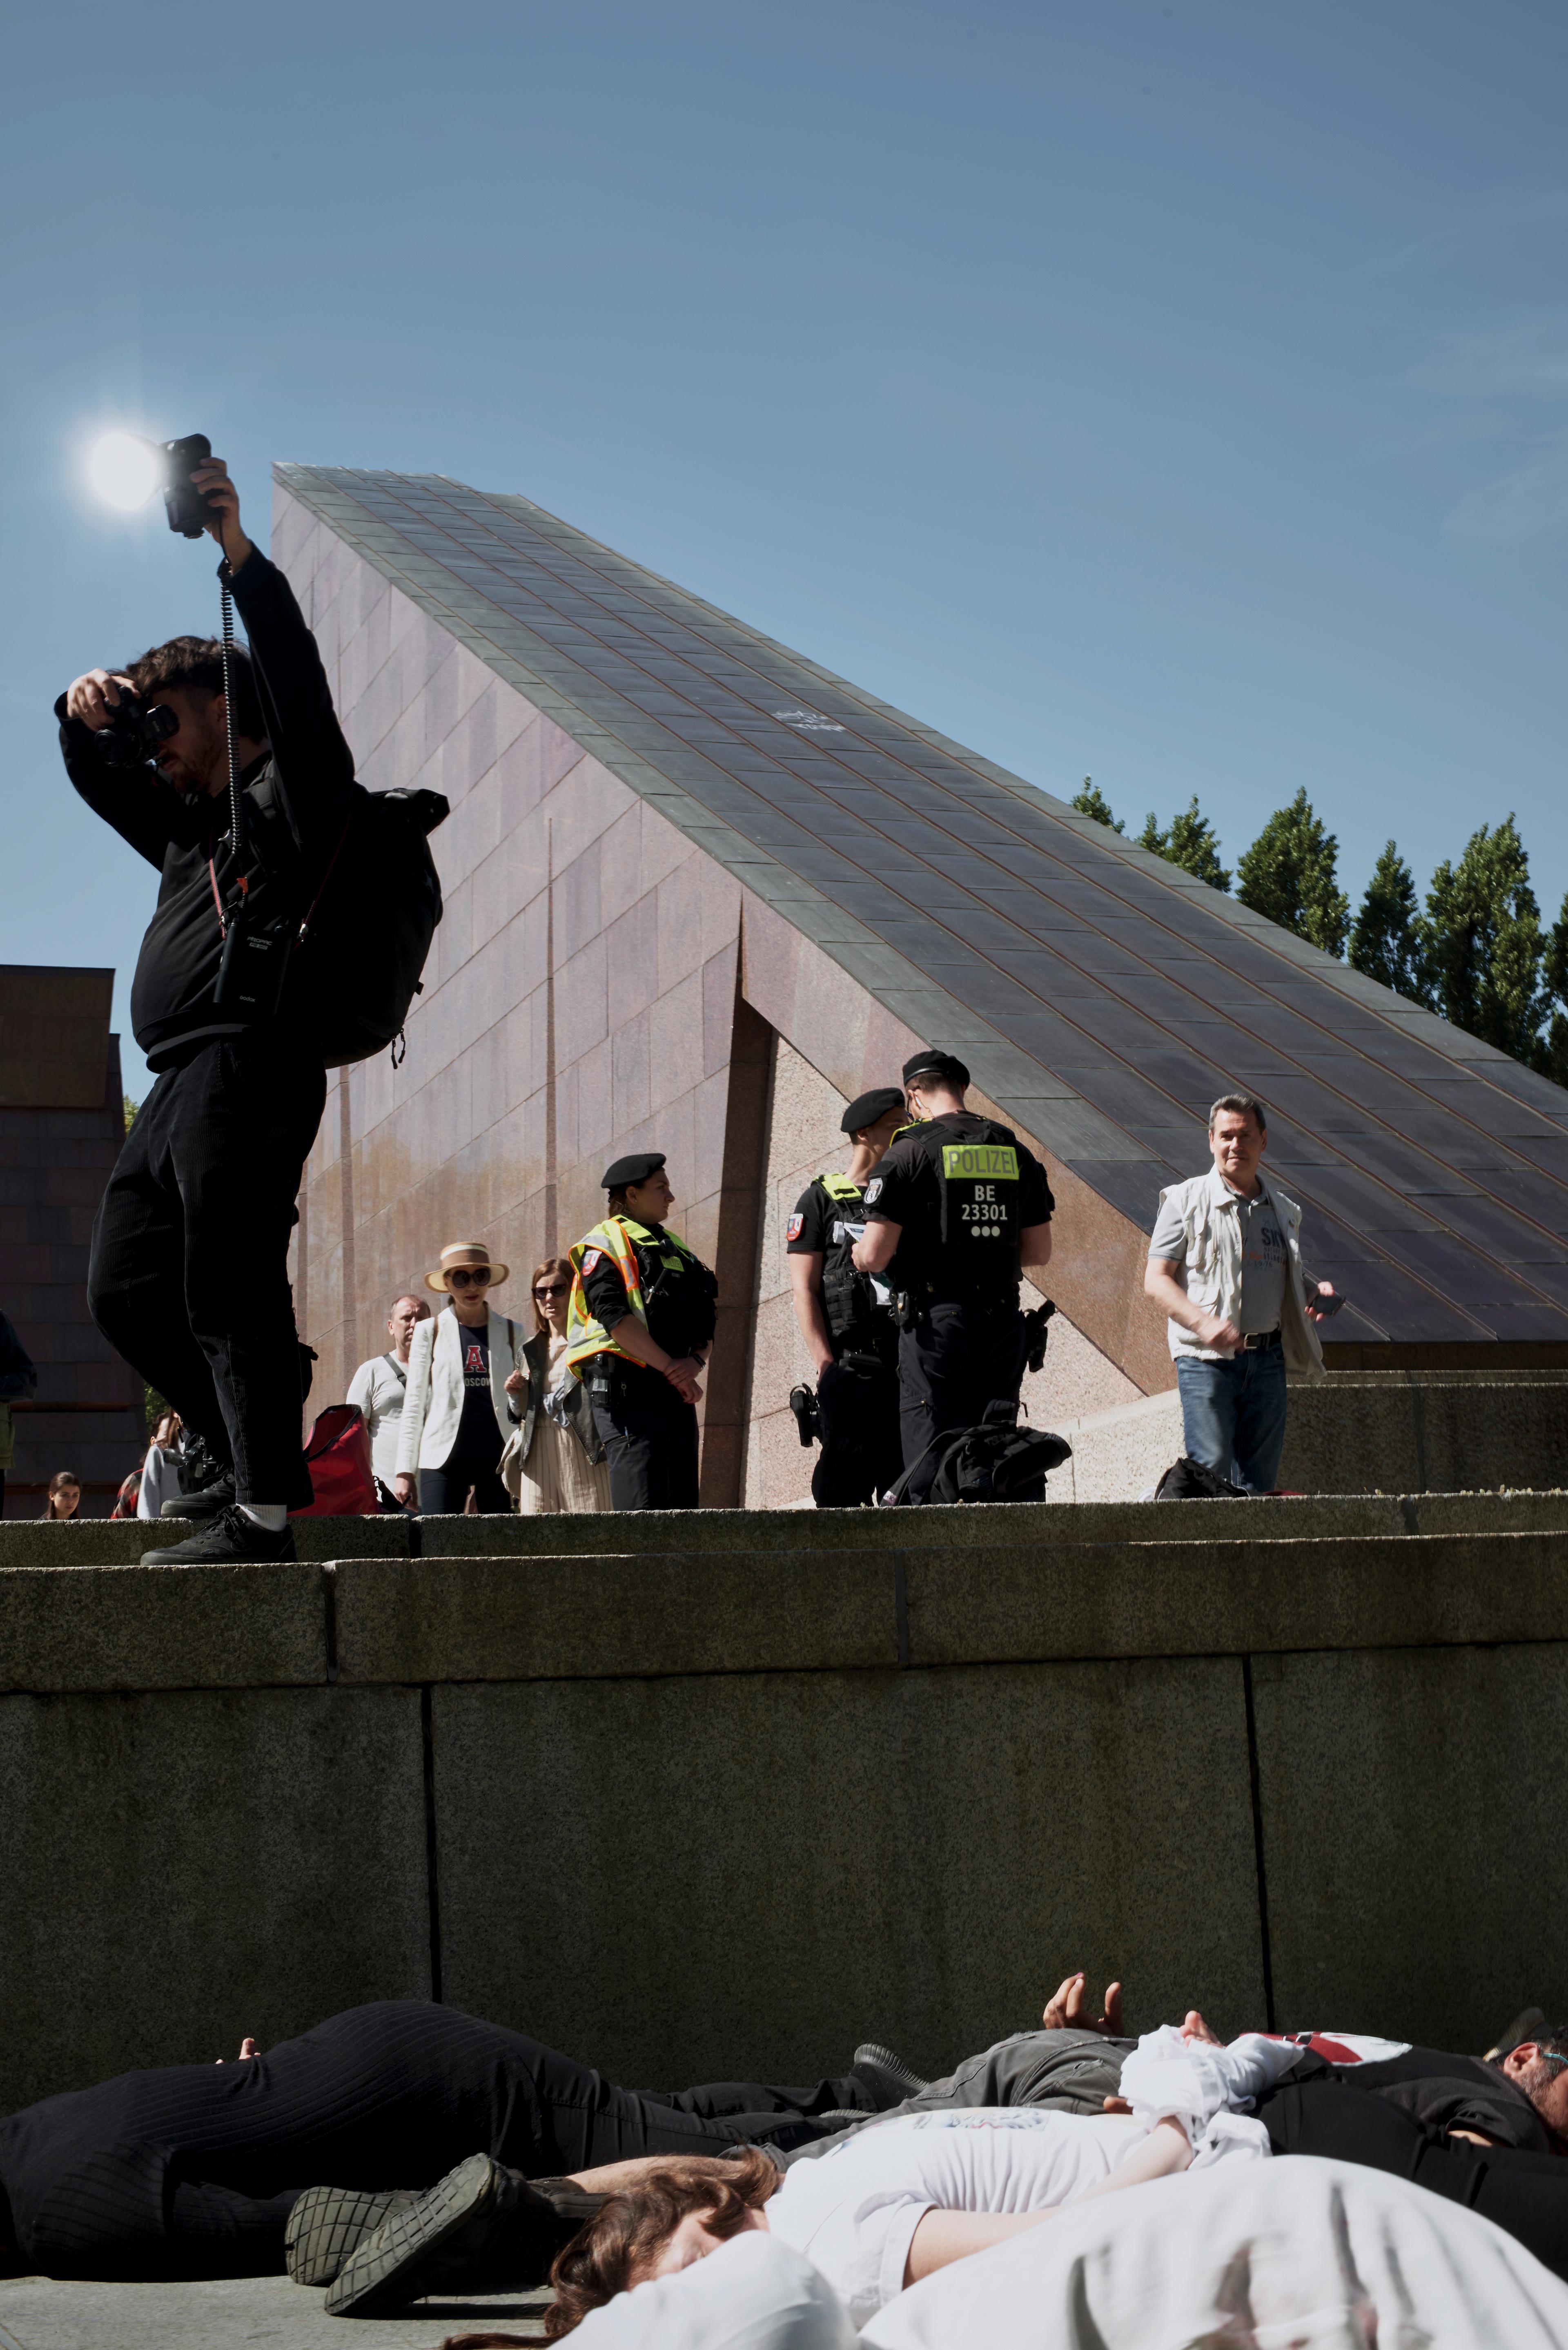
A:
(958, 1206)
(846, 1318)
(639, 1323)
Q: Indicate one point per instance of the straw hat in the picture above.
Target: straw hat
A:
(464, 1252)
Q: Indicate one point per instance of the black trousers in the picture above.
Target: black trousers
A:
(861, 1446)
(1526, 2194)
(956, 1360)
(191, 2172)
(189, 1274)
(650, 1436)
(472, 1462)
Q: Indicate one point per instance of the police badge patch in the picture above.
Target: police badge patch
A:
(872, 1191)
(593, 1257)
(793, 1229)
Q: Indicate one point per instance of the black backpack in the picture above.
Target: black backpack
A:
(362, 945)
(1193, 1480)
(997, 1461)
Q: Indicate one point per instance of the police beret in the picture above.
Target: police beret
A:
(869, 1108)
(634, 1169)
(944, 1066)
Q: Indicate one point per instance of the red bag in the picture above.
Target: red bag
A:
(338, 1452)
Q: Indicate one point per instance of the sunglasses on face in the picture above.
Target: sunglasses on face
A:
(554, 1289)
(479, 1278)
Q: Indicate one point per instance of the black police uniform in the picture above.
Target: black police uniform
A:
(857, 1394)
(963, 1189)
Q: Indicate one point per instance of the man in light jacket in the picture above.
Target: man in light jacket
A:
(1225, 1263)
(377, 1389)
(461, 1368)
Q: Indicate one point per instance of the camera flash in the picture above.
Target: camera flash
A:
(124, 470)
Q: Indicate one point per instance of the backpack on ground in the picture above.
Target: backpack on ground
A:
(363, 943)
(996, 1461)
(1193, 1480)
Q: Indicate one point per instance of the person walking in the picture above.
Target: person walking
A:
(376, 1390)
(639, 1323)
(1225, 1264)
(462, 1367)
(554, 1456)
(958, 1206)
(18, 1383)
(847, 1318)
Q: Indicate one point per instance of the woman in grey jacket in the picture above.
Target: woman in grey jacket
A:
(555, 1461)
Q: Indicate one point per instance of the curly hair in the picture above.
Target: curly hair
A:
(632, 2228)
(197, 664)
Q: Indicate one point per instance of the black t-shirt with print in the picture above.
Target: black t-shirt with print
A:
(479, 1419)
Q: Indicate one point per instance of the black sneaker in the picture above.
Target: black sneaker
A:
(203, 1500)
(231, 1540)
(885, 2072)
(327, 2223)
(482, 2226)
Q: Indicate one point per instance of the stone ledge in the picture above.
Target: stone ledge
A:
(502, 1619)
(121, 1541)
(101, 1627)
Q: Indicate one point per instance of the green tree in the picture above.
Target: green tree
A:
(130, 1109)
(1290, 874)
(1191, 842)
(1388, 936)
(1092, 801)
(1488, 951)
(1554, 1049)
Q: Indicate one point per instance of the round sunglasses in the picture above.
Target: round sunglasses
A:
(479, 1277)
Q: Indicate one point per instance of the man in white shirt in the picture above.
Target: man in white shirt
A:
(1225, 1263)
(377, 1389)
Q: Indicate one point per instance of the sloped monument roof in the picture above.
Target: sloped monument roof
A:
(1101, 996)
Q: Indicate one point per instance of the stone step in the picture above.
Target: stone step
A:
(100, 1542)
(401, 1622)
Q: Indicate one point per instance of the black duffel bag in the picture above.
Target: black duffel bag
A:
(997, 1461)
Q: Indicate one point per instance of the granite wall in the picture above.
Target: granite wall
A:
(766, 1785)
(62, 1122)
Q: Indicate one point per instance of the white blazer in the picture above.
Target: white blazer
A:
(433, 1403)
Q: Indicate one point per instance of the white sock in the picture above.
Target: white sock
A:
(271, 1516)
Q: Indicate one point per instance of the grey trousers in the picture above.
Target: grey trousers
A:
(1070, 2071)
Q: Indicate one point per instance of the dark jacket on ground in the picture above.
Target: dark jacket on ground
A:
(298, 804)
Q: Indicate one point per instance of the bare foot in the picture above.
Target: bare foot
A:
(1068, 2009)
(1195, 2028)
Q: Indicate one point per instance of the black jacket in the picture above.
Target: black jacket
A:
(298, 804)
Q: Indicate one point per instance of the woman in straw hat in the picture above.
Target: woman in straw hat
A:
(462, 1367)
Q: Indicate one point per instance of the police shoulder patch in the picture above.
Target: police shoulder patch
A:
(873, 1190)
(795, 1227)
(593, 1256)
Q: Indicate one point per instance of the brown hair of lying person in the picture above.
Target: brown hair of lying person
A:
(630, 2230)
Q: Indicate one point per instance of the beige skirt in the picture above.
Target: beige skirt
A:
(558, 1477)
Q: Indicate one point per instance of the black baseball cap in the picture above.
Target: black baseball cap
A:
(946, 1066)
(637, 1168)
(866, 1109)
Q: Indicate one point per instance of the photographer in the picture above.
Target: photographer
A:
(189, 1278)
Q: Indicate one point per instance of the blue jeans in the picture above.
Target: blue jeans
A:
(1234, 1415)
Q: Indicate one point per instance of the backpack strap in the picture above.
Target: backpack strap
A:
(398, 1370)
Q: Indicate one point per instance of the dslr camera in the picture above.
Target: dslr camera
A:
(135, 732)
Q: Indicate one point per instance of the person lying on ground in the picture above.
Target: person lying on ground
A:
(195, 2170)
(882, 2211)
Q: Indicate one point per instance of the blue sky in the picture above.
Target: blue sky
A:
(1174, 393)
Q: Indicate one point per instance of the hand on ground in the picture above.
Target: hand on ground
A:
(247, 2049)
(1194, 2028)
(1068, 2009)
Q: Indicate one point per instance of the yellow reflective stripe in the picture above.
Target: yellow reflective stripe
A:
(980, 1161)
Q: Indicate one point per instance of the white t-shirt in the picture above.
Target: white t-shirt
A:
(378, 1390)
(854, 2211)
